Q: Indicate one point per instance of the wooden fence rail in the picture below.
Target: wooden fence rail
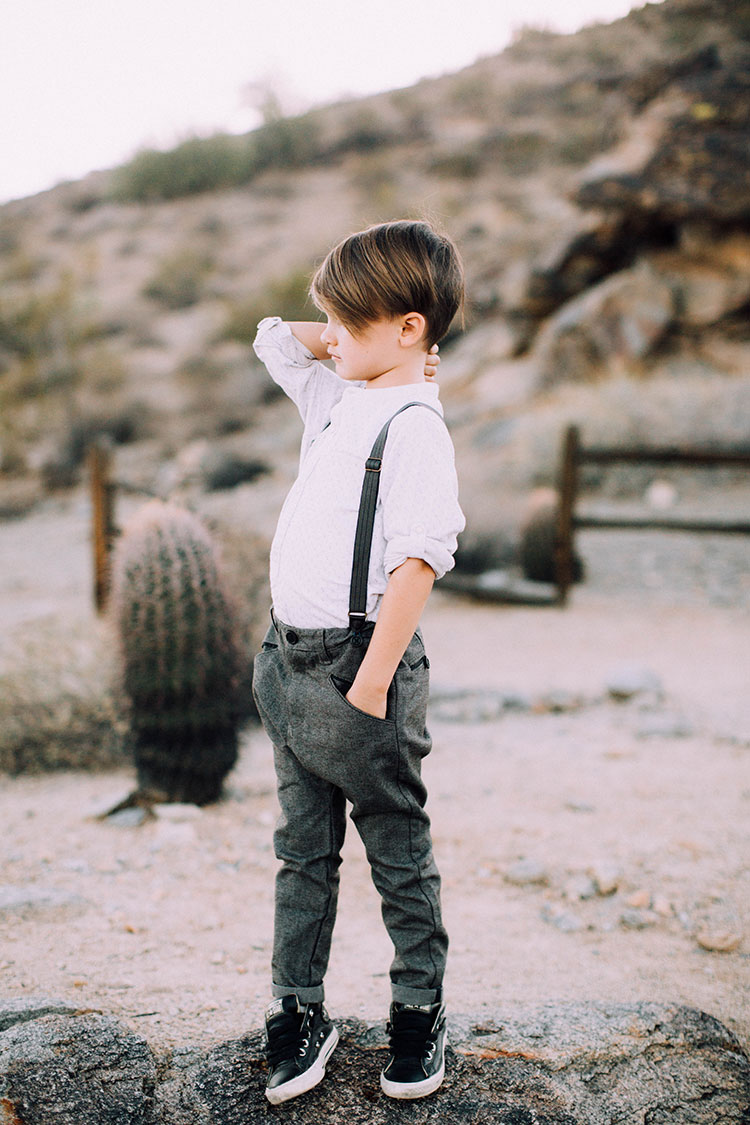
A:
(573, 455)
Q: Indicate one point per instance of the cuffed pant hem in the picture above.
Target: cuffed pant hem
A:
(401, 994)
(313, 995)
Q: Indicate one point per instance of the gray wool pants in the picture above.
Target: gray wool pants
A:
(328, 752)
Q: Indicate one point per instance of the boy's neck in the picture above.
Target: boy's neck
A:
(403, 375)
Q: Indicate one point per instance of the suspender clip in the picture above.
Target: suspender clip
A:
(372, 464)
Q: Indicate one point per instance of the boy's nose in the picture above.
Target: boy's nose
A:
(326, 336)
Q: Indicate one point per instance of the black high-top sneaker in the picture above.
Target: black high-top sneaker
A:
(300, 1039)
(417, 1063)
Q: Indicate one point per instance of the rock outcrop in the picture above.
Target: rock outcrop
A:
(662, 248)
(686, 156)
(558, 1064)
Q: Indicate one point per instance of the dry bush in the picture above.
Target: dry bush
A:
(180, 279)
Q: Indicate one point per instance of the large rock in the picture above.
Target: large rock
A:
(613, 325)
(554, 1064)
(687, 156)
(620, 321)
(75, 1070)
(593, 246)
(709, 277)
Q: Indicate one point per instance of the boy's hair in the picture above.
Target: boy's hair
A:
(389, 270)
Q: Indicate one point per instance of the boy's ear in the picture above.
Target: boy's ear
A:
(413, 328)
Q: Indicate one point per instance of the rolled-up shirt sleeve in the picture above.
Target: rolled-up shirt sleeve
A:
(422, 517)
(312, 386)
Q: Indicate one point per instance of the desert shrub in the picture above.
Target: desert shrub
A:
(471, 92)
(21, 267)
(201, 370)
(59, 708)
(530, 42)
(286, 297)
(225, 469)
(202, 164)
(582, 142)
(519, 153)
(374, 176)
(415, 124)
(196, 165)
(121, 426)
(362, 131)
(10, 240)
(460, 163)
(84, 199)
(19, 496)
(33, 324)
(179, 280)
(285, 142)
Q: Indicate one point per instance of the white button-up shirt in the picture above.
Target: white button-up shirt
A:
(417, 515)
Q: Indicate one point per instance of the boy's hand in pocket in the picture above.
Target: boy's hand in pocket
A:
(372, 701)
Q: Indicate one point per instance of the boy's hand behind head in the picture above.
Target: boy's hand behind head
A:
(431, 362)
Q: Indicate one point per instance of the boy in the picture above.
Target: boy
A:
(342, 681)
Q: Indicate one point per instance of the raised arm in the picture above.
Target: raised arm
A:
(308, 333)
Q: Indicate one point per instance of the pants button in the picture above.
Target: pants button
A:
(292, 637)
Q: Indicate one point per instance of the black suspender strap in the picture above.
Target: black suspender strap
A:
(366, 521)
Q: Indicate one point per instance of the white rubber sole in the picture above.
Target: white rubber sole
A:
(309, 1079)
(407, 1091)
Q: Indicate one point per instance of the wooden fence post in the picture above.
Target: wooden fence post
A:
(102, 519)
(567, 488)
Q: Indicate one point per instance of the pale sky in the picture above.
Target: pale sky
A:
(85, 83)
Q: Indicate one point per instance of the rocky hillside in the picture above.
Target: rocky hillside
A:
(598, 186)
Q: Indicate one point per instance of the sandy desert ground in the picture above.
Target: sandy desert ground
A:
(589, 848)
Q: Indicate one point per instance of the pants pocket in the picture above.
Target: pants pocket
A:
(341, 687)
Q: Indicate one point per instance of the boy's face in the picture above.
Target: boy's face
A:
(375, 356)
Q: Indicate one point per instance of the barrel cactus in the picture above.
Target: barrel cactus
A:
(181, 654)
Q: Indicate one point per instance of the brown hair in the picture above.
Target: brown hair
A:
(390, 270)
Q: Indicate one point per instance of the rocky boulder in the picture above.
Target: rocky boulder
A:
(75, 1070)
(555, 1064)
(615, 324)
(687, 155)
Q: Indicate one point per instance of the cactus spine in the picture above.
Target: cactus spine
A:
(181, 657)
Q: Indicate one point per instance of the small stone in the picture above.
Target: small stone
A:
(719, 941)
(607, 876)
(527, 872)
(639, 900)
(627, 680)
(663, 907)
(633, 919)
(128, 818)
(33, 901)
(561, 919)
(664, 726)
(580, 806)
(579, 887)
(557, 703)
(661, 495)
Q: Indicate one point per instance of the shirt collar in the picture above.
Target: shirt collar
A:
(390, 398)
